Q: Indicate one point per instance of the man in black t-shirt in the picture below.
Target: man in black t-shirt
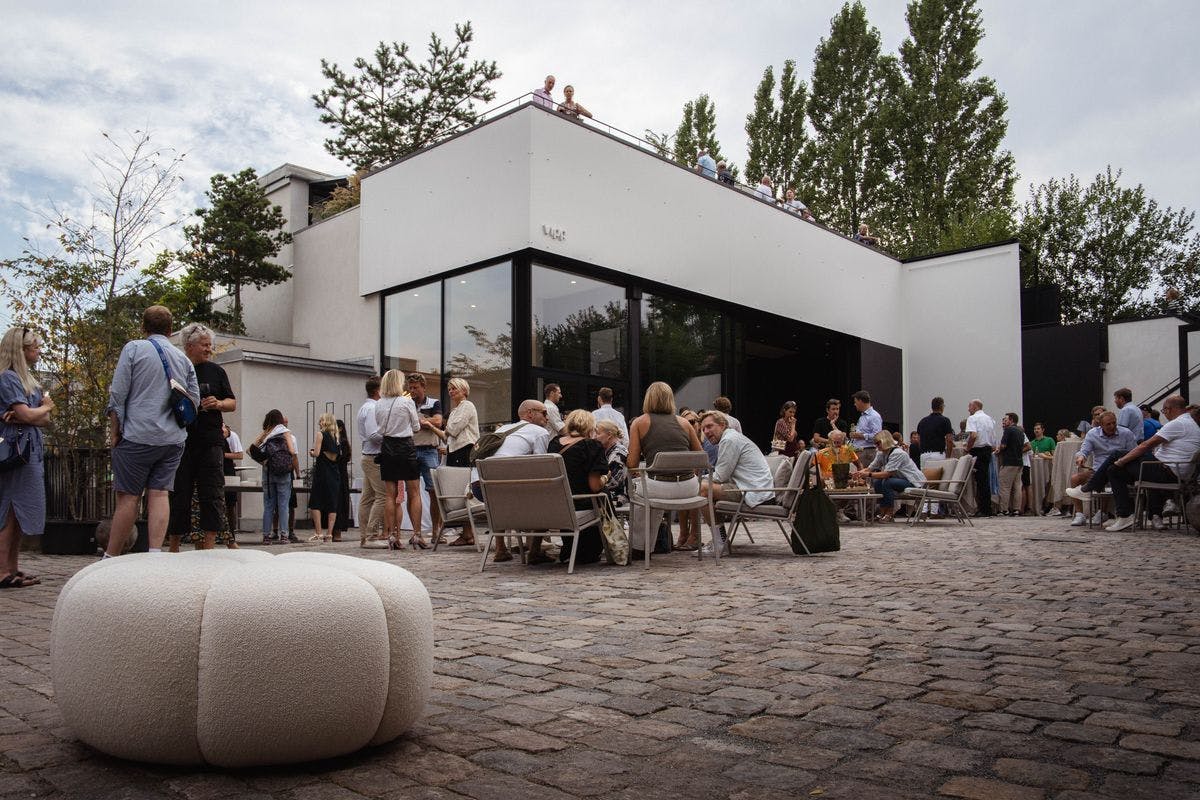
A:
(201, 469)
(825, 424)
(936, 434)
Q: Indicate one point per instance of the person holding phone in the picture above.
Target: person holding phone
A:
(201, 469)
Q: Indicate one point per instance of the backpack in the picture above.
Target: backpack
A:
(279, 460)
(489, 443)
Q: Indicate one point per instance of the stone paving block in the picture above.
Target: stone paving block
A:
(1113, 758)
(1162, 745)
(1134, 723)
(973, 788)
(1073, 732)
(1040, 773)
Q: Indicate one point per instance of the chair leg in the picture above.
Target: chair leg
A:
(574, 550)
(486, 547)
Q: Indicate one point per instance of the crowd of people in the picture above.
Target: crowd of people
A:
(178, 463)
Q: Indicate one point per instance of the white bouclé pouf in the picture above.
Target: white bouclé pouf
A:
(239, 658)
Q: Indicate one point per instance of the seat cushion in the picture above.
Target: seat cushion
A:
(728, 508)
(933, 474)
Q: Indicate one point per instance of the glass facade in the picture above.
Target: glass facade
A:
(479, 344)
(683, 344)
(579, 324)
(411, 339)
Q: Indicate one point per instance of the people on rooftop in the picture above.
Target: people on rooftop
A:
(569, 107)
(542, 96)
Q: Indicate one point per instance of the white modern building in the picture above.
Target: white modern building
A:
(533, 249)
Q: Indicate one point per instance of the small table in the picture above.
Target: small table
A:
(860, 494)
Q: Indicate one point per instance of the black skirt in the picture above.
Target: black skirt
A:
(460, 457)
(398, 459)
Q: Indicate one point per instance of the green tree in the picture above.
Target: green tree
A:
(945, 130)
(849, 76)
(1110, 249)
(392, 106)
(778, 143)
(698, 129)
(236, 238)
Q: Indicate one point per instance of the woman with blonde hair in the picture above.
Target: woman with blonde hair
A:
(891, 471)
(660, 430)
(396, 416)
(326, 490)
(462, 426)
(610, 436)
(586, 468)
(24, 411)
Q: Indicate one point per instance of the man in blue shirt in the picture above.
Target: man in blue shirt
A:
(146, 441)
(1099, 443)
(869, 423)
(705, 164)
(1128, 415)
(1150, 423)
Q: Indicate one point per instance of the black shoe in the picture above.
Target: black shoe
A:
(292, 538)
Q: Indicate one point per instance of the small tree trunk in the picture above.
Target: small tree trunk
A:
(238, 327)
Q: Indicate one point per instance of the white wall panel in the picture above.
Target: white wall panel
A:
(1143, 355)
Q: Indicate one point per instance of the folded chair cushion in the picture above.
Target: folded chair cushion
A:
(727, 508)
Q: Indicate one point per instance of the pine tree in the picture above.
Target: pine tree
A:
(849, 75)
(945, 130)
(393, 106)
(698, 129)
(236, 238)
(778, 143)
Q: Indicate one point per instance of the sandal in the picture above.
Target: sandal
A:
(15, 582)
(538, 558)
(461, 541)
(30, 580)
(505, 556)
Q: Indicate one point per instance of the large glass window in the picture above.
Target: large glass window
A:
(579, 324)
(479, 339)
(681, 344)
(412, 341)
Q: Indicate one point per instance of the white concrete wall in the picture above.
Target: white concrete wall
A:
(962, 333)
(463, 201)
(328, 313)
(267, 312)
(1143, 355)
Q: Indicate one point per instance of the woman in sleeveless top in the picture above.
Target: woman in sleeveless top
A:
(325, 493)
(660, 430)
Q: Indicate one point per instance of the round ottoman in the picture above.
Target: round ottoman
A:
(239, 658)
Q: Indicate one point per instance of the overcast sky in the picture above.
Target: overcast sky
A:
(1088, 83)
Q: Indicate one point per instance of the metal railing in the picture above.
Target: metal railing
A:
(78, 483)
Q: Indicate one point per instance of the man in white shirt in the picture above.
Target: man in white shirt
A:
(371, 504)
(542, 96)
(604, 410)
(527, 436)
(1174, 446)
(765, 189)
(554, 420)
(981, 441)
(741, 468)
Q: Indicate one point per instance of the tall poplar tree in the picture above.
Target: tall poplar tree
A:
(945, 130)
(697, 129)
(849, 76)
(778, 143)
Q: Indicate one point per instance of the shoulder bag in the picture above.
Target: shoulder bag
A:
(15, 449)
(181, 406)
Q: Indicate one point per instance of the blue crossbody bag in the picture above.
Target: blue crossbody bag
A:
(182, 407)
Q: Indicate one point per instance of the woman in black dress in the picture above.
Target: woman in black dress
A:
(342, 523)
(586, 469)
(326, 490)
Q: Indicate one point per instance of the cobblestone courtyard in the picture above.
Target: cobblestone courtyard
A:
(1019, 659)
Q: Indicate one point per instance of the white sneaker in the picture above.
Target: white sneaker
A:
(1097, 518)
(842, 518)
(1054, 512)
(1079, 520)
(1078, 493)
(1121, 523)
(1157, 523)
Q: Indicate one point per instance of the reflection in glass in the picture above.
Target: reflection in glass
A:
(578, 324)
(681, 344)
(479, 339)
(411, 341)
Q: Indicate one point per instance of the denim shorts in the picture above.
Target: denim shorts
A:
(144, 466)
(428, 460)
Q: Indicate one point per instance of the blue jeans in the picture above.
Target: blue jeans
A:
(428, 460)
(888, 487)
(277, 492)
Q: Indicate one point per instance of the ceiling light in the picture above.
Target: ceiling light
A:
(574, 281)
(473, 305)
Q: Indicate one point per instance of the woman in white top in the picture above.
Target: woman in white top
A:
(396, 416)
(462, 426)
(891, 471)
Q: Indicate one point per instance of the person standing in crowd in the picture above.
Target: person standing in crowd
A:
(586, 467)
(864, 236)
(1150, 423)
(325, 492)
(374, 496)
(790, 203)
(232, 450)
(24, 410)
(783, 439)
(605, 411)
(725, 406)
(342, 523)
(616, 452)
(147, 443)
(462, 426)
(1010, 451)
(935, 434)
(542, 96)
(1128, 415)
(741, 469)
(724, 174)
(551, 396)
(279, 465)
(765, 191)
(200, 468)
(569, 107)
(981, 441)
(890, 472)
(398, 420)
(1041, 444)
(705, 164)
(832, 419)
(427, 438)
(527, 436)
(869, 423)
(659, 430)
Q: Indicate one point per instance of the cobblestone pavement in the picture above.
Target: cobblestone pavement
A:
(1019, 659)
